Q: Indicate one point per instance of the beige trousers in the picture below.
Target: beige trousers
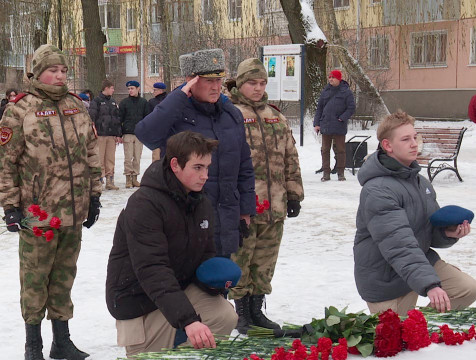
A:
(156, 154)
(132, 154)
(460, 287)
(152, 332)
(107, 154)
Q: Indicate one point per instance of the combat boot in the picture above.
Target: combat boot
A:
(340, 175)
(242, 307)
(128, 181)
(110, 183)
(326, 176)
(257, 317)
(34, 342)
(62, 346)
(135, 183)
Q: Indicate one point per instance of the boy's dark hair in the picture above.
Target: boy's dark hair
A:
(9, 91)
(106, 83)
(391, 122)
(186, 143)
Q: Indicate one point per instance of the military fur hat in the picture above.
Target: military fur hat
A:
(205, 63)
(250, 69)
(46, 56)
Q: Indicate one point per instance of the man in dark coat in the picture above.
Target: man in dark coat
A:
(104, 113)
(159, 95)
(334, 109)
(162, 236)
(394, 259)
(199, 106)
(132, 110)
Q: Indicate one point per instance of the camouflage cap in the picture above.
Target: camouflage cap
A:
(250, 69)
(205, 63)
(46, 56)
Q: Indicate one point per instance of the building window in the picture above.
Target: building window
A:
(428, 49)
(341, 3)
(112, 64)
(180, 10)
(207, 10)
(131, 19)
(132, 69)
(472, 59)
(267, 6)
(234, 9)
(375, 1)
(154, 65)
(155, 14)
(13, 60)
(110, 16)
(379, 52)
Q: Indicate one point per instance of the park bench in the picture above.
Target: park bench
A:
(440, 148)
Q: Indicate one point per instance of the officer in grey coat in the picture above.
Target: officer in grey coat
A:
(393, 249)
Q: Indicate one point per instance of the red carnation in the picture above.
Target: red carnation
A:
(435, 338)
(35, 210)
(38, 232)
(43, 215)
(266, 204)
(388, 339)
(339, 352)
(55, 222)
(324, 344)
(49, 235)
(415, 331)
(353, 350)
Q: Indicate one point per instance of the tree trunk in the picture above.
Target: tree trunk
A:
(350, 64)
(164, 41)
(41, 35)
(95, 40)
(315, 71)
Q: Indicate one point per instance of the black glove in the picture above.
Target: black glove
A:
(93, 213)
(244, 231)
(294, 207)
(13, 218)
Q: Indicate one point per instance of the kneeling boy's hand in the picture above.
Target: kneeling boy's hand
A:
(200, 335)
(439, 299)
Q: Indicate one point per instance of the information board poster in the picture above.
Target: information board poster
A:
(272, 64)
(291, 78)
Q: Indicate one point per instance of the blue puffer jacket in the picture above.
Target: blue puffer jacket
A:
(335, 107)
(231, 182)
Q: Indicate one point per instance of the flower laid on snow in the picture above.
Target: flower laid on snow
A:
(37, 214)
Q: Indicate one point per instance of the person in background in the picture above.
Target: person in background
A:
(278, 181)
(472, 109)
(85, 98)
(132, 110)
(334, 109)
(10, 95)
(89, 93)
(155, 295)
(159, 95)
(393, 247)
(198, 106)
(49, 158)
(105, 114)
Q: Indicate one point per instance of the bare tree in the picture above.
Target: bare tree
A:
(95, 40)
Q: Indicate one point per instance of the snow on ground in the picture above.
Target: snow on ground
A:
(314, 270)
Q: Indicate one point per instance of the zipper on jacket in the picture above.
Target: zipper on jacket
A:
(50, 130)
(68, 156)
(36, 181)
(260, 122)
(251, 138)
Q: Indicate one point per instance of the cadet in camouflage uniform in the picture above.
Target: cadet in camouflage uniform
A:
(278, 180)
(49, 157)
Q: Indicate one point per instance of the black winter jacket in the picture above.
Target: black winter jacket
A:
(156, 101)
(161, 237)
(105, 114)
(131, 111)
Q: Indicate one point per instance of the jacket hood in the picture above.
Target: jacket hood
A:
(373, 167)
(344, 85)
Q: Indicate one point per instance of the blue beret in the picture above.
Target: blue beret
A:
(83, 96)
(218, 273)
(160, 85)
(451, 215)
(132, 83)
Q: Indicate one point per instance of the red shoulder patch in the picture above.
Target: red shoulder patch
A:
(5, 135)
(274, 107)
(75, 95)
(19, 97)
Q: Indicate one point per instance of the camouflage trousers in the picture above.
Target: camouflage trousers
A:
(47, 272)
(257, 260)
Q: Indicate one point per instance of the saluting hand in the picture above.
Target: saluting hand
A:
(458, 231)
(188, 86)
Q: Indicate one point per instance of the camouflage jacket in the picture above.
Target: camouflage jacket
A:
(49, 156)
(275, 159)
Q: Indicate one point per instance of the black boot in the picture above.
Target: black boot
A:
(319, 171)
(334, 170)
(34, 343)
(242, 307)
(258, 318)
(62, 346)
